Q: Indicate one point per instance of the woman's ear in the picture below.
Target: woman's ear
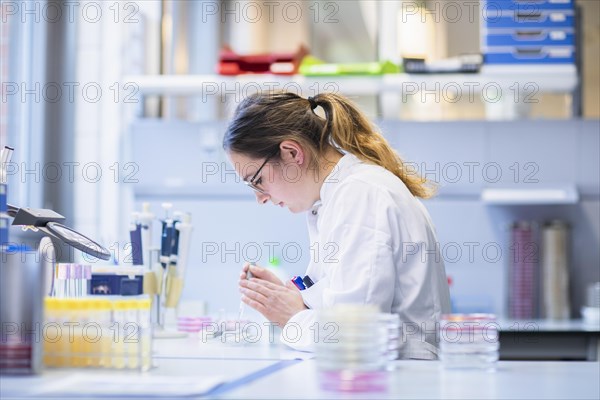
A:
(292, 151)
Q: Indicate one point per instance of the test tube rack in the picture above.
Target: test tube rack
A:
(98, 332)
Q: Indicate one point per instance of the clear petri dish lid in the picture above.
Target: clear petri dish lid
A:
(349, 313)
(353, 365)
(467, 317)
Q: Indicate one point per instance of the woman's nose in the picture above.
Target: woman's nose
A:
(262, 198)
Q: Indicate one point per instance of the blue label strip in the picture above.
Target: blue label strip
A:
(3, 194)
(261, 373)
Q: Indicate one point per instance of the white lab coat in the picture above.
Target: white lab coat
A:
(372, 242)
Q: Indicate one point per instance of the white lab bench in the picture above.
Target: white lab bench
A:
(427, 380)
(264, 370)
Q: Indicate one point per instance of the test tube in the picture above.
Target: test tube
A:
(62, 346)
(73, 342)
(78, 280)
(72, 280)
(81, 317)
(94, 346)
(63, 275)
(119, 319)
(145, 333)
(105, 322)
(132, 335)
(87, 281)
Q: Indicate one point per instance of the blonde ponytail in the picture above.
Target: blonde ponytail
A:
(349, 129)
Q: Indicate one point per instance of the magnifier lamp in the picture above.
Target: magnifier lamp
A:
(48, 222)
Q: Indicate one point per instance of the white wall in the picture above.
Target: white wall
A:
(226, 213)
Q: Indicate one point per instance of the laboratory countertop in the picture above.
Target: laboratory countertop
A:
(190, 366)
(221, 347)
(427, 380)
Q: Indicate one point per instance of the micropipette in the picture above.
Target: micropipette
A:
(248, 276)
(135, 234)
(184, 227)
(146, 218)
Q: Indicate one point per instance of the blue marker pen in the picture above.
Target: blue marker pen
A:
(307, 281)
(297, 280)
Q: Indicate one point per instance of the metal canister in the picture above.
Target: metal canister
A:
(21, 311)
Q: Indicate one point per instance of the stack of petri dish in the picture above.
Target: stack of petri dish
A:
(391, 325)
(193, 324)
(469, 341)
(591, 311)
(352, 343)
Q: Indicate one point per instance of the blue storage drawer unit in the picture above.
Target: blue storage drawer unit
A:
(530, 19)
(528, 31)
(529, 55)
(494, 6)
(530, 37)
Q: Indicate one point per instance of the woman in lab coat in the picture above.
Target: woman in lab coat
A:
(376, 240)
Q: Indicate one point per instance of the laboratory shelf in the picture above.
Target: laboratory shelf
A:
(533, 196)
(552, 78)
(196, 190)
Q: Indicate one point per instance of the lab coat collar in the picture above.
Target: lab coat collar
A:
(340, 172)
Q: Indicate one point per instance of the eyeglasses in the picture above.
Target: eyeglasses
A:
(253, 182)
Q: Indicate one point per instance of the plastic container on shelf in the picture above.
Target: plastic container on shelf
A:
(492, 6)
(591, 311)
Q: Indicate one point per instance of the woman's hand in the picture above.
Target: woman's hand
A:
(277, 302)
(260, 273)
